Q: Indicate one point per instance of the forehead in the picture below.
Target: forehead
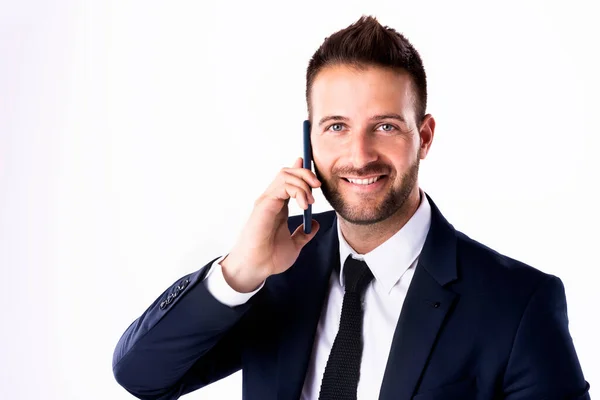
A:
(353, 92)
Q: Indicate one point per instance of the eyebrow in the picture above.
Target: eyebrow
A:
(373, 118)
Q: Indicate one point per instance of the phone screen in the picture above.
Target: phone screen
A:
(307, 163)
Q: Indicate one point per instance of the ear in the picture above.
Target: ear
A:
(426, 131)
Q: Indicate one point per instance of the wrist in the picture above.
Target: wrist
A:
(239, 277)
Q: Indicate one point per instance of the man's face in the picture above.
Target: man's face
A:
(355, 134)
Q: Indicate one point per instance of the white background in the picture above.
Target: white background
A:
(135, 136)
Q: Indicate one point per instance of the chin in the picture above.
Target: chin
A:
(358, 215)
(362, 220)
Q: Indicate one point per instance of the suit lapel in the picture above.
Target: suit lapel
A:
(424, 310)
(309, 280)
(423, 313)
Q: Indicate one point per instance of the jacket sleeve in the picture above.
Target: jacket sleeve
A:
(185, 340)
(543, 363)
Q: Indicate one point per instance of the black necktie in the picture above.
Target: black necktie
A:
(342, 371)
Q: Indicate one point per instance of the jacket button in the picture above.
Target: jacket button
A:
(183, 284)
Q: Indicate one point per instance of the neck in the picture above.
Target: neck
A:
(365, 238)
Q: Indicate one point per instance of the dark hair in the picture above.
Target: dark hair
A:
(367, 43)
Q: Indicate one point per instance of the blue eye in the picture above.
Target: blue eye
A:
(391, 127)
(336, 130)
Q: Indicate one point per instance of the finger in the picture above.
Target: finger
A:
(280, 190)
(297, 193)
(300, 238)
(296, 181)
(306, 174)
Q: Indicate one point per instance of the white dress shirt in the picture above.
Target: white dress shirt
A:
(392, 264)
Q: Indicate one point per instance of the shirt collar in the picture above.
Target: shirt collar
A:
(391, 259)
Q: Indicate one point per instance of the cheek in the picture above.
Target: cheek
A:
(324, 169)
(322, 159)
(402, 153)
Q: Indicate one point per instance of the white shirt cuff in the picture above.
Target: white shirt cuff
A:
(217, 286)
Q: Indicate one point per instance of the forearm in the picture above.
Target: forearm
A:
(172, 335)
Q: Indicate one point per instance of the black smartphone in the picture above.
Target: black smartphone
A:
(307, 163)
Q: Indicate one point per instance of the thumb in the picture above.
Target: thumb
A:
(300, 238)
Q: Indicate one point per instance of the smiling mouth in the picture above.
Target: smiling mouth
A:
(364, 181)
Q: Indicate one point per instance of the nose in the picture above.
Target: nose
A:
(362, 149)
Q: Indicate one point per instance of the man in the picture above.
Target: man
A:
(384, 298)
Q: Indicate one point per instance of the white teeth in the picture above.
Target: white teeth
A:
(364, 181)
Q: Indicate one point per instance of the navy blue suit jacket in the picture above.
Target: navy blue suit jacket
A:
(475, 325)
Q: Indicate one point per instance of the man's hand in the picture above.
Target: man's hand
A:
(265, 246)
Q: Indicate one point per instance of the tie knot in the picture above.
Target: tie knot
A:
(357, 275)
